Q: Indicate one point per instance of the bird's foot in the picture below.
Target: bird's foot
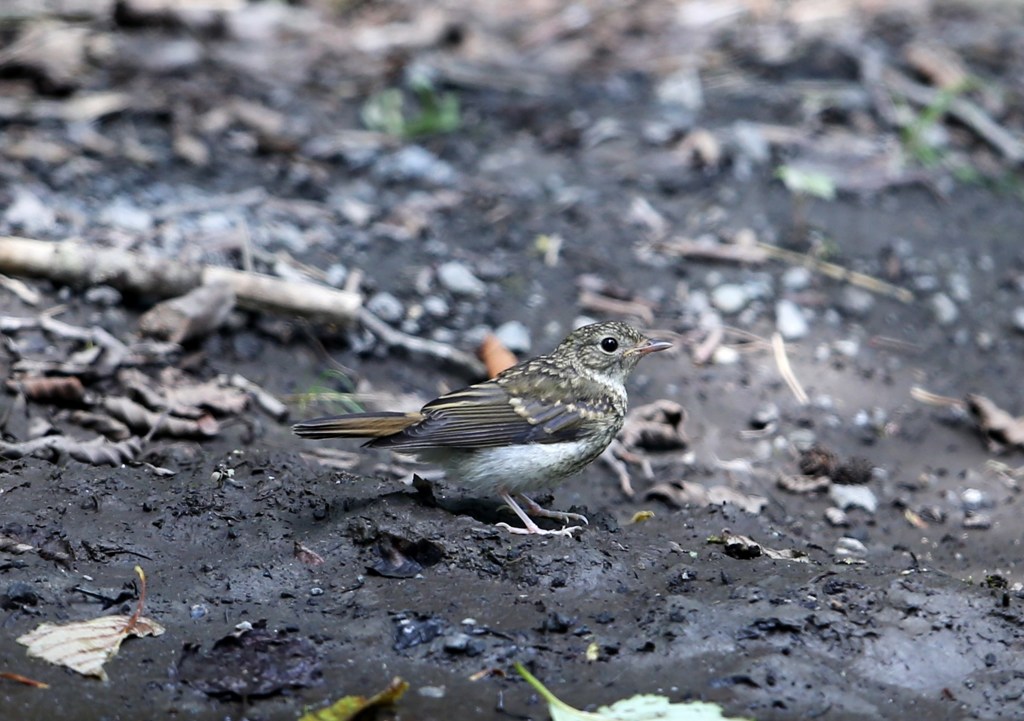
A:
(534, 530)
(535, 509)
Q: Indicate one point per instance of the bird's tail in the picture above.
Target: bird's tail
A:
(356, 425)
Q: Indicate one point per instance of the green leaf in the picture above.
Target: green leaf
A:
(643, 707)
(807, 182)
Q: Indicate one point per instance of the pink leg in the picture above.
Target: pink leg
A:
(532, 528)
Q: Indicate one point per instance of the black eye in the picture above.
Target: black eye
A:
(609, 345)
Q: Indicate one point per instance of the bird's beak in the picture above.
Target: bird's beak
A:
(650, 346)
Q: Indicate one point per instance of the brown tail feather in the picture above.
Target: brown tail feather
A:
(356, 425)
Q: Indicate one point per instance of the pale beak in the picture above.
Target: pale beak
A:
(650, 346)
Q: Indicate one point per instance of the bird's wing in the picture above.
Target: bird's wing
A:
(487, 415)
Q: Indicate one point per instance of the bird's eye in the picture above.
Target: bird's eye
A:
(609, 345)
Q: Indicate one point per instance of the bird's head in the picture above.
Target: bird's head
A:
(607, 351)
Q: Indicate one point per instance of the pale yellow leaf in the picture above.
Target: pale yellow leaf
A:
(84, 646)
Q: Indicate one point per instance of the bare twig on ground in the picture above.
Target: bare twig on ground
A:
(77, 264)
(599, 303)
(838, 272)
(721, 252)
(395, 338)
(782, 361)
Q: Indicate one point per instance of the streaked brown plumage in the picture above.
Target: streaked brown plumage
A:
(526, 429)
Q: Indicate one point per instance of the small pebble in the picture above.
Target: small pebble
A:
(730, 298)
(944, 308)
(431, 691)
(457, 278)
(855, 302)
(959, 287)
(725, 355)
(436, 306)
(336, 274)
(1018, 318)
(978, 521)
(415, 163)
(796, 278)
(790, 320)
(103, 295)
(514, 335)
(847, 546)
(836, 517)
(386, 307)
(846, 497)
(122, 214)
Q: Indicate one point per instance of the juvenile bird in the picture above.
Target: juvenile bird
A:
(526, 429)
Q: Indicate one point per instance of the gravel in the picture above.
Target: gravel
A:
(457, 278)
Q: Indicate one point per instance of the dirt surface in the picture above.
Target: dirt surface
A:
(236, 135)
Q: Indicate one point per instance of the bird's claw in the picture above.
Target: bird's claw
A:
(538, 531)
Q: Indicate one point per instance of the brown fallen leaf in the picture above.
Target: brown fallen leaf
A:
(84, 646)
(495, 355)
(999, 427)
(46, 388)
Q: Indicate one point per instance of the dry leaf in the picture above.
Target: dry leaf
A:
(84, 646)
(495, 355)
(349, 707)
(744, 547)
(684, 493)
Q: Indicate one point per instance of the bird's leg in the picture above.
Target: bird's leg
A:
(532, 528)
(535, 509)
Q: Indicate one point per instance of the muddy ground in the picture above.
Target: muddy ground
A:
(910, 610)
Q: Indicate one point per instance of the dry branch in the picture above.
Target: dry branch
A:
(79, 265)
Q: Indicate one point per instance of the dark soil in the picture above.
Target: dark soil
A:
(923, 619)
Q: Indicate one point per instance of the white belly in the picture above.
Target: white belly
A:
(517, 469)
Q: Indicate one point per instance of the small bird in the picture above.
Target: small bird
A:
(524, 430)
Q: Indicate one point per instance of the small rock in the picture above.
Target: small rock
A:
(959, 287)
(846, 497)
(847, 546)
(386, 307)
(124, 215)
(514, 335)
(1018, 318)
(836, 517)
(730, 298)
(436, 306)
(431, 691)
(29, 214)
(415, 163)
(945, 309)
(725, 355)
(978, 521)
(459, 279)
(802, 438)
(855, 302)
(848, 347)
(765, 416)
(103, 295)
(790, 320)
(973, 499)
(796, 278)
(336, 274)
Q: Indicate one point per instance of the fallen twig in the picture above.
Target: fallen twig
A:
(722, 252)
(786, 371)
(77, 264)
(592, 301)
(838, 272)
(395, 338)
